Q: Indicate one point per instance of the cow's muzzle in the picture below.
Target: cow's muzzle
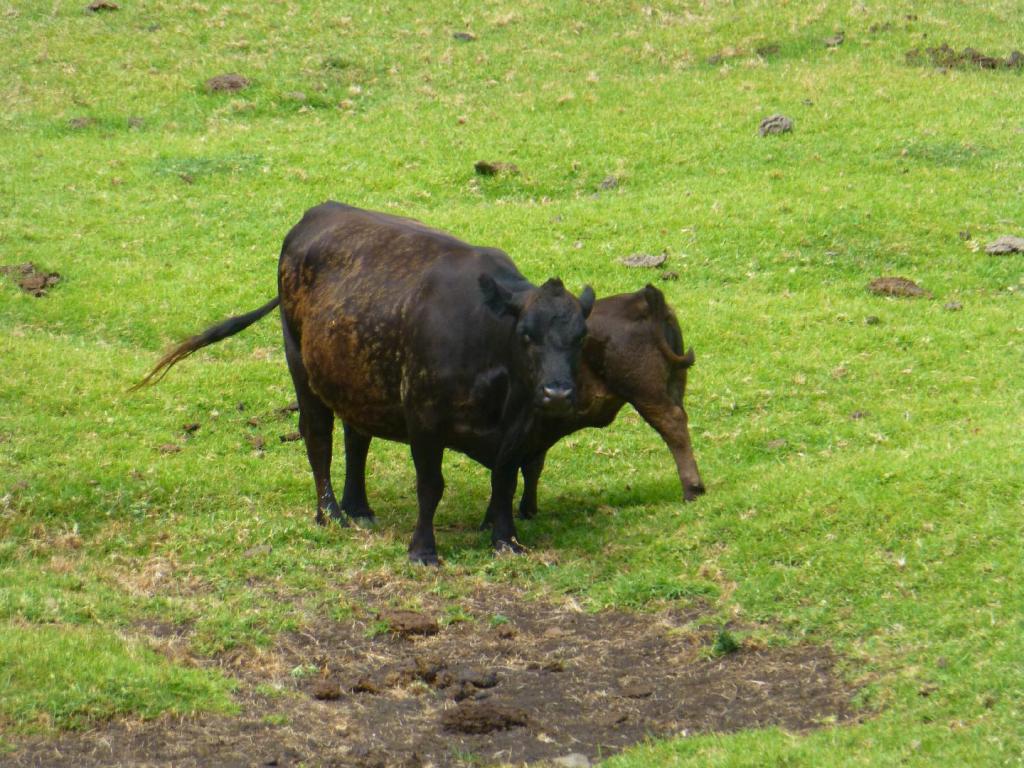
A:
(557, 399)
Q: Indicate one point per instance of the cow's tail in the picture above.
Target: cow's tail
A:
(211, 335)
(670, 340)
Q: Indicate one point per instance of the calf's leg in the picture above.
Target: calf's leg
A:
(670, 421)
(316, 424)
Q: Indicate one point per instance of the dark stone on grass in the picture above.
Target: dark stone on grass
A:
(1005, 244)
(292, 407)
(230, 83)
(189, 428)
(645, 260)
(290, 437)
(668, 275)
(482, 717)
(775, 124)
(484, 168)
(896, 286)
(464, 37)
(101, 5)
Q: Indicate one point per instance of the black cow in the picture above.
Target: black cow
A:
(633, 353)
(410, 334)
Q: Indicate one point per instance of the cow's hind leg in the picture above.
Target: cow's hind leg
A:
(353, 498)
(499, 511)
(427, 456)
(316, 423)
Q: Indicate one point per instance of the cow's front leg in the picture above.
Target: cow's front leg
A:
(499, 511)
(353, 498)
(531, 477)
(427, 456)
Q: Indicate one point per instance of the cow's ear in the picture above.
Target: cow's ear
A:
(655, 300)
(498, 299)
(587, 301)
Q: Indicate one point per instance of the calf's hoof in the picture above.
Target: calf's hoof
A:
(691, 492)
(424, 558)
(509, 546)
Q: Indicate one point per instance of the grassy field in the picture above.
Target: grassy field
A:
(863, 454)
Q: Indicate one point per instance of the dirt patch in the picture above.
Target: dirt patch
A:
(945, 57)
(644, 260)
(230, 83)
(484, 168)
(30, 279)
(517, 682)
(896, 286)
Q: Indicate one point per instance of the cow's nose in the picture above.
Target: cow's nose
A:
(556, 396)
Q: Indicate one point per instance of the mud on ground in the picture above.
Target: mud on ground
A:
(520, 681)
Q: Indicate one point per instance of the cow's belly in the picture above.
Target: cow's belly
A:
(358, 377)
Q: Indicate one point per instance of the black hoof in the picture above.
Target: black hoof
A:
(424, 558)
(692, 492)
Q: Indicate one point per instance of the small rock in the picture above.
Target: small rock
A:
(409, 623)
(465, 37)
(636, 691)
(775, 124)
(326, 689)
(835, 41)
(1006, 244)
(646, 260)
(574, 760)
(291, 437)
(668, 275)
(895, 286)
(230, 82)
(485, 168)
(952, 306)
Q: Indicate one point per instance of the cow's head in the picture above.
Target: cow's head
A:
(550, 325)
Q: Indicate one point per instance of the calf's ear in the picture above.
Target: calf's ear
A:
(497, 298)
(587, 301)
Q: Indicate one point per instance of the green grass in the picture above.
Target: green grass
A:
(895, 537)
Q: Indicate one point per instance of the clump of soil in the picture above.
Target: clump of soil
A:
(101, 5)
(562, 682)
(775, 124)
(946, 57)
(484, 168)
(896, 286)
(230, 83)
(409, 623)
(1006, 244)
(30, 279)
